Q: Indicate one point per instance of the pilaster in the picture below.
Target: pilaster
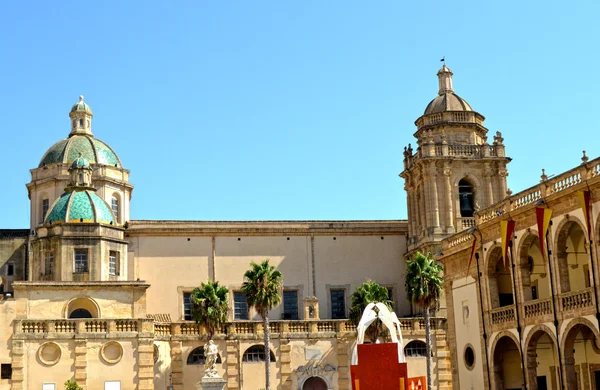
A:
(17, 365)
(233, 368)
(176, 365)
(342, 346)
(285, 359)
(81, 363)
(145, 364)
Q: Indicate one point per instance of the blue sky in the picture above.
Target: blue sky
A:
(289, 109)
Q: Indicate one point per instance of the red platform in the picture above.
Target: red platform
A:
(378, 368)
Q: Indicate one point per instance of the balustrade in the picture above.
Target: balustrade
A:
(538, 308)
(503, 315)
(574, 300)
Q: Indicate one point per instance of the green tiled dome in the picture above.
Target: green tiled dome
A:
(91, 149)
(81, 106)
(80, 207)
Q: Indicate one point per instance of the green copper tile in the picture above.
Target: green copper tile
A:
(81, 208)
(59, 210)
(105, 154)
(103, 213)
(80, 145)
(55, 153)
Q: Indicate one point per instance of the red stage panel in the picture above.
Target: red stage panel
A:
(378, 368)
(417, 383)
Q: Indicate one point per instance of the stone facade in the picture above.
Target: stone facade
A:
(530, 321)
(92, 296)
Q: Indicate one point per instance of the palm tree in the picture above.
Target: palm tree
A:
(366, 293)
(424, 288)
(209, 306)
(262, 285)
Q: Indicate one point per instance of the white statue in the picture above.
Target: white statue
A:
(372, 312)
(210, 354)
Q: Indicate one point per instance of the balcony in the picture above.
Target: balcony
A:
(132, 328)
(581, 301)
(503, 317)
(538, 310)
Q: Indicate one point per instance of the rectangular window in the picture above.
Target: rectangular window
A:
(113, 263)
(10, 269)
(187, 306)
(338, 304)
(45, 207)
(390, 294)
(115, 207)
(290, 305)
(49, 263)
(240, 307)
(5, 371)
(81, 261)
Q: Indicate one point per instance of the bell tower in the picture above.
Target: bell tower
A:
(453, 172)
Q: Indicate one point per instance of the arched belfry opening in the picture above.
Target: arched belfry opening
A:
(466, 197)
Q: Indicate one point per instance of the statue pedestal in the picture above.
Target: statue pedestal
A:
(216, 383)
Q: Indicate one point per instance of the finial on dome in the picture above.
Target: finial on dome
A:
(445, 79)
(81, 98)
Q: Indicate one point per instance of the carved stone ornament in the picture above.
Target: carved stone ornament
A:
(324, 372)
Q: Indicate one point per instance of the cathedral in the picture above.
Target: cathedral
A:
(89, 295)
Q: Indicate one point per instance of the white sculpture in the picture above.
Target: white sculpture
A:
(210, 353)
(372, 312)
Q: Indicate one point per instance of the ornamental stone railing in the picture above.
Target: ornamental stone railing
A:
(538, 308)
(146, 327)
(576, 300)
(503, 315)
(548, 186)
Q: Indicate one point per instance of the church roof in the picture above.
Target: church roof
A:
(91, 149)
(80, 207)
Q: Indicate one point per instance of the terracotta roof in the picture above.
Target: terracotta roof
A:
(11, 233)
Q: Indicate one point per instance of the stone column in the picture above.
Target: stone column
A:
(17, 365)
(435, 212)
(421, 205)
(426, 200)
(502, 173)
(81, 363)
(176, 365)
(145, 364)
(448, 198)
(233, 369)
(412, 197)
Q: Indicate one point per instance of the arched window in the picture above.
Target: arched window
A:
(415, 348)
(114, 204)
(197, 356)
(466, 196)
(81, 123)
(256, 354)
(80, 313)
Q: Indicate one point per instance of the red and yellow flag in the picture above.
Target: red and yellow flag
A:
(584, 200)
(543, 222)
(472, 253)
(507, 229)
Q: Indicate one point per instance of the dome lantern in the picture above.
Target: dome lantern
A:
(81, 118)
(80, 174)
(445, 80)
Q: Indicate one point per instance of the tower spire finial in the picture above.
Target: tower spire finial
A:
(445, 78)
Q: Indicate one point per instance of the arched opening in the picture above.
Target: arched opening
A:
(80, 313)
(572, 258)
(534, 274)
(582, 358)
(415, 348)
(197, 356)
(542, 361)
(82, 308)
(500, 280)
(507, 373)
(466, 197)
(314, 383)
(256, 354)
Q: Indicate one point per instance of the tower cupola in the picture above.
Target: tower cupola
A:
(80, 174)
(445, 80)
(81, 118)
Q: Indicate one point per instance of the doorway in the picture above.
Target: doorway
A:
(314, 383)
